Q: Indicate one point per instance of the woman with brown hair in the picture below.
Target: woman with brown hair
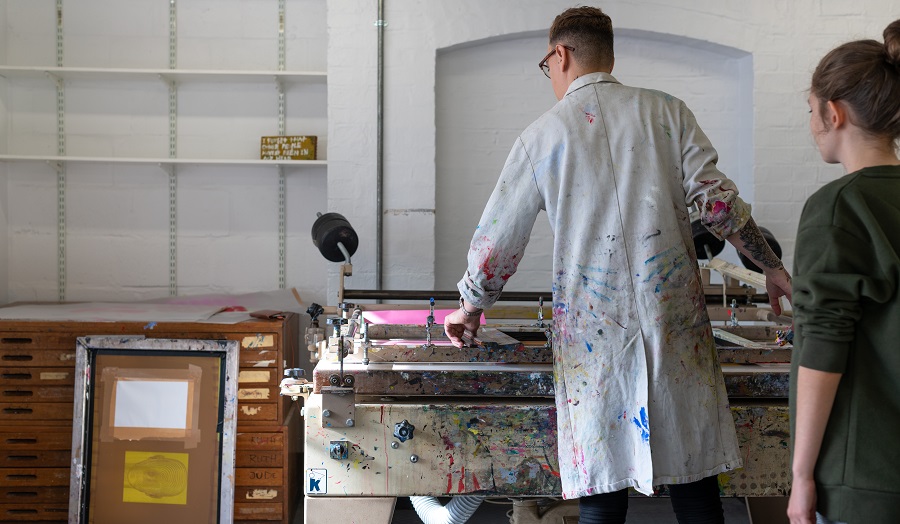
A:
(845, 381)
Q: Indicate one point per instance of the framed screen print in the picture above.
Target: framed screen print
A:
(153, 431)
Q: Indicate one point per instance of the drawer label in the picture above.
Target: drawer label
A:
(254, 376)
(54, 376)
(253, 394)
(263, 459)
(262, 494)
(263, 440)
(316, 481)
(250, 411)
(259, 341)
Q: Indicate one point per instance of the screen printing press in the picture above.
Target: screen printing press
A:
(394, 410)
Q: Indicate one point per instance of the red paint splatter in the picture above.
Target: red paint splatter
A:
(449, 482)
(448, 444)
(462, 480)
(451, 460)
(590, 117)
(486, 268)
(546, 467)
(475, 483)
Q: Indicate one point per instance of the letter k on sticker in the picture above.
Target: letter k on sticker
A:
(316, 482)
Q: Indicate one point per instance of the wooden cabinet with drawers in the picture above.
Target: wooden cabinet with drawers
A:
(37, 364)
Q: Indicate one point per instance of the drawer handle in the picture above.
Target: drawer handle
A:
(22, 494)
(17, 376)
(15, 340)
(17, 393)
(21, 441)
(21, 477)
(18, 411)
(19, 358)
(22, 457)
(23, 512)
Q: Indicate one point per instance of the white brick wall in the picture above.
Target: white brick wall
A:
(117, 214)
(4, 212)
(778, 163)
(487, 93)
(226, 223)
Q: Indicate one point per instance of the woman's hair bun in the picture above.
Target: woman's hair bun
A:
(892, 42)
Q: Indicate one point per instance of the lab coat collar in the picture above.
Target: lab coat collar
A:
(590, 78)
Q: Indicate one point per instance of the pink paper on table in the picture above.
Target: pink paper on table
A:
(407, 316)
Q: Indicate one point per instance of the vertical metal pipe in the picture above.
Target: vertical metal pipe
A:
(61, 167)
(379, 160)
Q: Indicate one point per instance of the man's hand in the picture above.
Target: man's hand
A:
(778, 284)
(457, 323)
(802, 504)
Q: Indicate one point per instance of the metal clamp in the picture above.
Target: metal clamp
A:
(429, 323)
(338, 407)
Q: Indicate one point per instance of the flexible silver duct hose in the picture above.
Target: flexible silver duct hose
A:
(457, 511)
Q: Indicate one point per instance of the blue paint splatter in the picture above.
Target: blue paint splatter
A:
(667, 263)
(590, 348)
(150, 325)
(643, 425)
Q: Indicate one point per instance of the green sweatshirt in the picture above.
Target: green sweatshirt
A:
(847, 320)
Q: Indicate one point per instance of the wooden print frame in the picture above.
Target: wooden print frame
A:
(154, 431)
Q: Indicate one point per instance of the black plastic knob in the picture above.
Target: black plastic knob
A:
(314, 310)
(294, 373)
(403, 431)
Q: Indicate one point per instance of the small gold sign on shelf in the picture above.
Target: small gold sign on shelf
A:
(287, 148)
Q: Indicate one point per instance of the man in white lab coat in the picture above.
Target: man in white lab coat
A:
(639, 391)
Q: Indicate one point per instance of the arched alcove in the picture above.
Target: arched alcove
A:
(488, 91)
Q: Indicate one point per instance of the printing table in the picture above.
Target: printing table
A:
(406, 414)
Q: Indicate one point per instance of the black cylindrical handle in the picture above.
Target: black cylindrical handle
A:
(330, 229)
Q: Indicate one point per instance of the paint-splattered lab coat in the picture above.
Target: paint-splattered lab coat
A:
(639, 389)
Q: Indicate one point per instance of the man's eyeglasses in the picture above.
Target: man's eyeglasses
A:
(543, 63)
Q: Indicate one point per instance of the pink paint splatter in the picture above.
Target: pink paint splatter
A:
(721, 207)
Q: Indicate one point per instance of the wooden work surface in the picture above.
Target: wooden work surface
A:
(516, 361)
(510, 381)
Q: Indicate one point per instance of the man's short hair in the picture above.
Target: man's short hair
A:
(589, 30)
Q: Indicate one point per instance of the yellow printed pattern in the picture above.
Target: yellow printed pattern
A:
(155, 478)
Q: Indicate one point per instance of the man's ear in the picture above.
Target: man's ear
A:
(563, 57)
(836, 113)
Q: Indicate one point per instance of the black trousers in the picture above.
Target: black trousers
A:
(694, 503)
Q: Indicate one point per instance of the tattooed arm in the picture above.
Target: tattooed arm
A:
(749, 241)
